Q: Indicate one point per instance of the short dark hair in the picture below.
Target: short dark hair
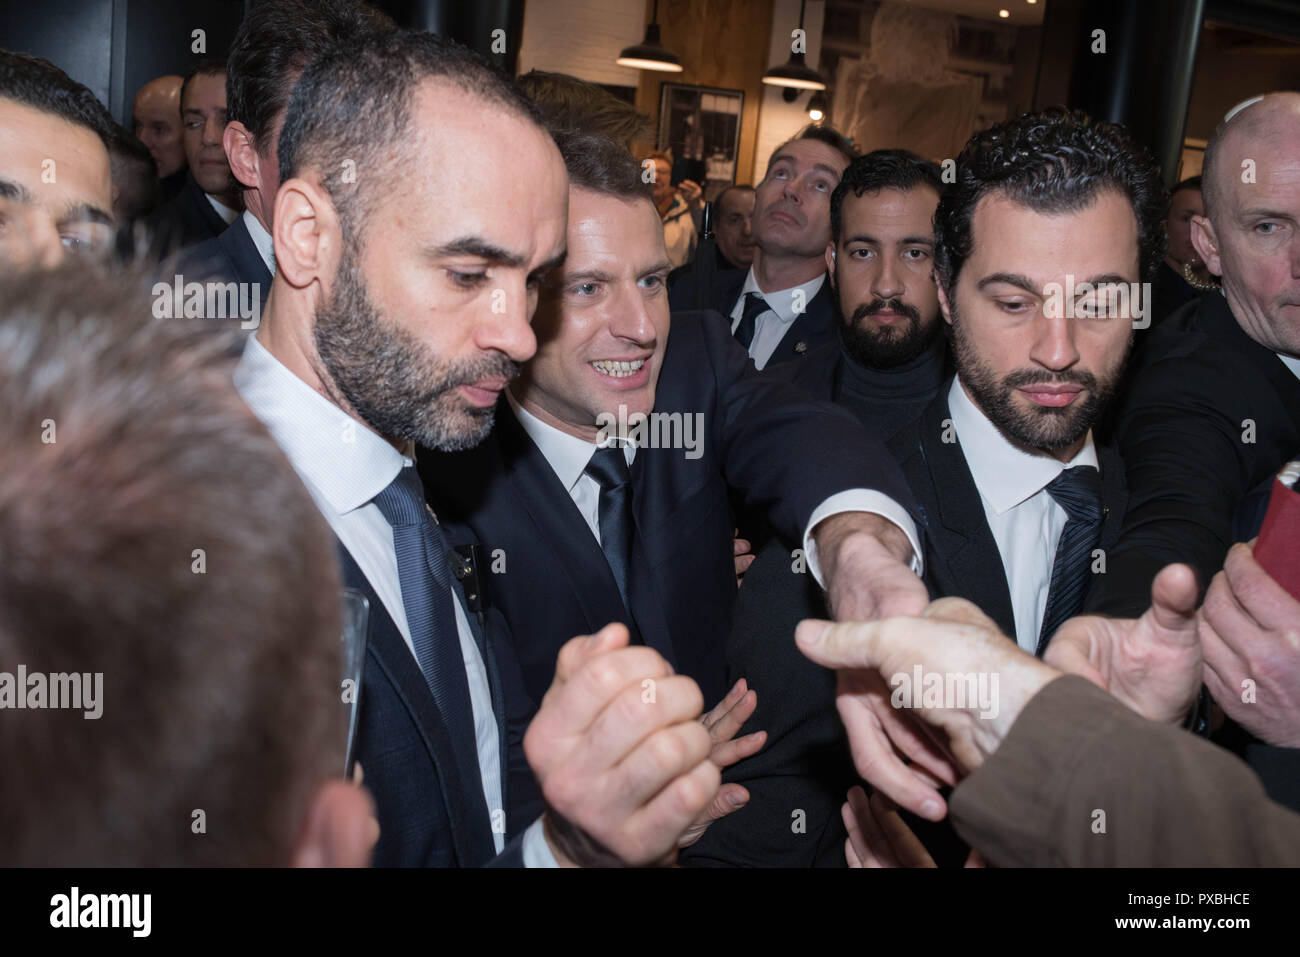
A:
(135, 175)
(220, 682)
(1053, 161)
(40, 84)
(599, 164)
(877, 170)
(822, 134)
(1192, 182)
(356, 103)
(205, 68)
(275, 43)
(571, 105)
(739, 188)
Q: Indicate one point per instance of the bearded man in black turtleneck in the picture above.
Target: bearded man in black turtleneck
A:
(886, 365)
(891, 354)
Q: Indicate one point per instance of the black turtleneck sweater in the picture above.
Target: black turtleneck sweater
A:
(888, 399)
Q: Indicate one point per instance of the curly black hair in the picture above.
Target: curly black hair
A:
(1053, 161)
(898, 169)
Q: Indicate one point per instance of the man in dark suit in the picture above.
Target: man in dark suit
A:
(649, 542)
(273, 44)
(780, 308)
(1170, 290)
(209, 201)
(1213, 412)
(888, 360)
(348, 374)
(1016, 496)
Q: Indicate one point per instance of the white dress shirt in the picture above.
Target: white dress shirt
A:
(569, 455)
(1025, 520)
(771, 325)
(1291, 362)
(225, 212)
(262, 240)
(344, 466)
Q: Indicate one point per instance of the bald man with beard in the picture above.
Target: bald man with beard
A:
(157, 113)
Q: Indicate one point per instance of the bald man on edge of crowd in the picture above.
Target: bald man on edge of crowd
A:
(156, 112)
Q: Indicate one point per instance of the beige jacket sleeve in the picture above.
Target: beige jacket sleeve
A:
(1083, 781)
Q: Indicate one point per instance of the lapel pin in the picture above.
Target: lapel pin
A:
(800, 348)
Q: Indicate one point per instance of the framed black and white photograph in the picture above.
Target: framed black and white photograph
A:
(701, 126)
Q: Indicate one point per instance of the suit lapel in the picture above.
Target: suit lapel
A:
(559, 523)
(963, 544)
(249, 266)
(808, 329)
(389, 659)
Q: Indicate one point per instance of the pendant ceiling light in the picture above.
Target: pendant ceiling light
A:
(796, 74)
(649, 54)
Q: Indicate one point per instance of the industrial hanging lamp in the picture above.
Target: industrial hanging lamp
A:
(796, 74)
(650, 53)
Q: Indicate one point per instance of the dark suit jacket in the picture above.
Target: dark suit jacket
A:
(230, 256)
(806, 766)
(782, 452)
(814, 328)
(427, 786)
(961, 556)
(186, 220)
(1208, 417)
(1171, 799)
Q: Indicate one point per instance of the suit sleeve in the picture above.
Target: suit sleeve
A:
(784, 452)
(1082, 781)
(1184, 457)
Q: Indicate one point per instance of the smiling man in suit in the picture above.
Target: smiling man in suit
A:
(591, 521)
(400, 308)
(780, 308)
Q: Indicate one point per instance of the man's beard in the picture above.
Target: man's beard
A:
(395, 385)
(883, 347)
(1045, 428)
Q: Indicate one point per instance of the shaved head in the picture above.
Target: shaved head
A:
(1269, 120)
(1250, 235)
(157, 112)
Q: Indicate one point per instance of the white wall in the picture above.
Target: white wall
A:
(779, 120)
(582, 38)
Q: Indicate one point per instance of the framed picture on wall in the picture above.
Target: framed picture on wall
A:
(701, 125)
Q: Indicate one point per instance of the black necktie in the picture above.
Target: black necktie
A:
(427, 597)
(1078, 491)
(755, 306)
(608, 466)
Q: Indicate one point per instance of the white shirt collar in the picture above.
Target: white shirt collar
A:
(1292, 363)
(261, 239)
(1004, 474)
(343, 463)
(781, 301)
(224, 211)
(567, 454)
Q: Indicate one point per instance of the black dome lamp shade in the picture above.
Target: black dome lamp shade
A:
(650, 53)
(796, 74)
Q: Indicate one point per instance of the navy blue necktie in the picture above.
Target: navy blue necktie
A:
(608, 466)
(427, 597)
(755, 306)
(1078, 491)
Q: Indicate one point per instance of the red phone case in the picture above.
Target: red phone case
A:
(1276, 549)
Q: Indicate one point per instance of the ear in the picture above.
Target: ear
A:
(1206, 244)
(307, 234)
(340, 830)
(244, 161)
(943, 298)
(830, 262)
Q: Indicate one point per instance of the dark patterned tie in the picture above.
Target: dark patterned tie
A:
(427, 597)
(608, 466)
(1078, 491)
(755, 306)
